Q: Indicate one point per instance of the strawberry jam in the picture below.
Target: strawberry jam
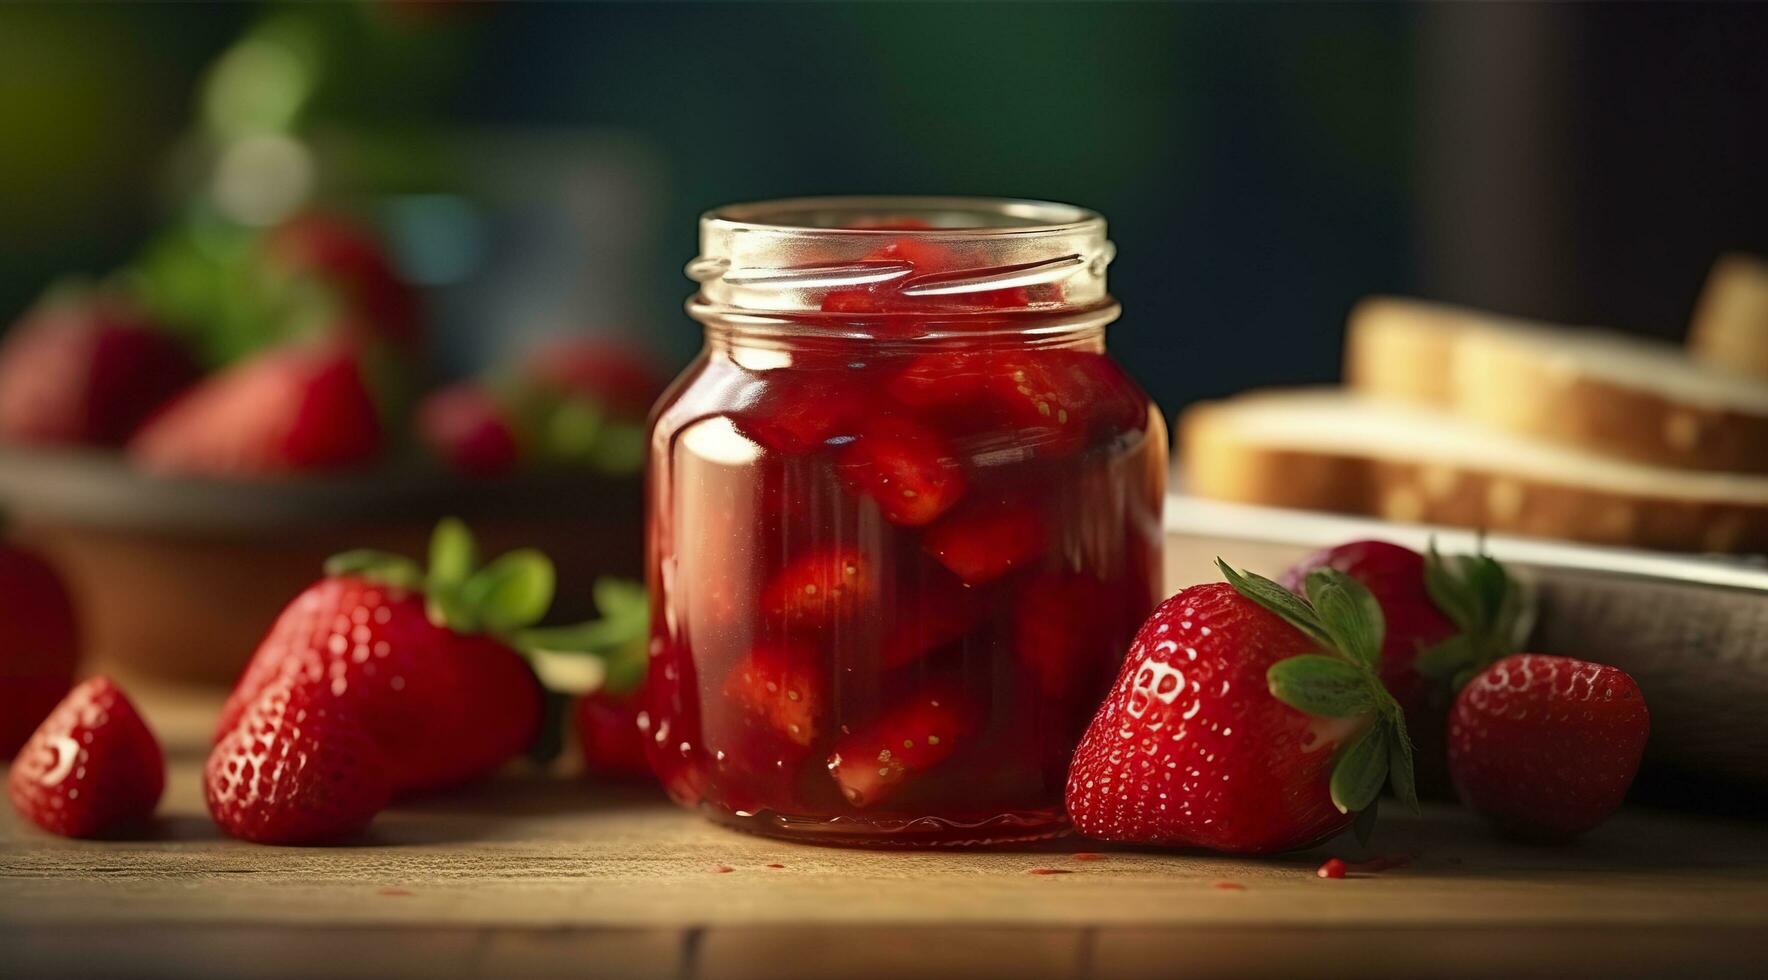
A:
(904, 520)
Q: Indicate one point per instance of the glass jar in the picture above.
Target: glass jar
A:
(904, 520)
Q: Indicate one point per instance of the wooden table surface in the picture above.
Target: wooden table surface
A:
(538, 874)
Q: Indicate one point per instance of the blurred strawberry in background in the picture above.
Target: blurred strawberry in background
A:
(572, 403)
(232, 291)
(39, 644)
(287, 410)
(468, 427)
(347, 257)
(623, 381)
(86, 369)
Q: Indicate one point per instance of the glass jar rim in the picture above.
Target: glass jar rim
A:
(820, 216)
(916, 255)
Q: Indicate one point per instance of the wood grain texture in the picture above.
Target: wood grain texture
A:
(537, 875)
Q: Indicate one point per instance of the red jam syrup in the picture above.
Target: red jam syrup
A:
(897, 548)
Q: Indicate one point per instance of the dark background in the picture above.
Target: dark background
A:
(1262, 166)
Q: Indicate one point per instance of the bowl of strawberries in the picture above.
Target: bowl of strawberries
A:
(191, 438)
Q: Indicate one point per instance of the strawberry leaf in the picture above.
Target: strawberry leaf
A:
(568, 671)
(512, 592)
(619, 598)
(1279, 600)
(453, 554)
(1349, 613)
(1316, 684)
(1493, 610)
(1399, 763)
(377, 566)
(1444, 659)
(617, 644)
(1361, 770)
(447, 609)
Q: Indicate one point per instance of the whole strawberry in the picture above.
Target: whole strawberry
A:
(91, 768)
(39, 645)
(1245, 719)
(86, 371)
(1394, 575)
(289, 410)
(609, 736)
(297, 768)
(622, 380)
(1545, 747)
(1447, 617)
(470, 430)
(350, 259)
(413, 658)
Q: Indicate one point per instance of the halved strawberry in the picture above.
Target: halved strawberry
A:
(904, 466)
(987, 538)
(780, 685)
(911, 737)
(815, 589)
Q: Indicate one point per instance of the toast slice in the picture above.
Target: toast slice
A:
(1730, 326)
(1329, 449)
(1602, 392)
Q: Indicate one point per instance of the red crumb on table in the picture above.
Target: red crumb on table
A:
(393, 892)
(722, 869)
(1089, 856)
(776, 865)
(1333, 868)
(1049, 871)
(1229, 886)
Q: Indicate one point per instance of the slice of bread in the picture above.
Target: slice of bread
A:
(1328, 449)
(1603, 392)
(1730, 326)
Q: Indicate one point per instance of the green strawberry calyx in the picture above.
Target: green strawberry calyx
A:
(1492, 609)
(1343, 680)
(508, 597)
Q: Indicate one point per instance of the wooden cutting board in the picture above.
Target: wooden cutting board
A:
(538, 875)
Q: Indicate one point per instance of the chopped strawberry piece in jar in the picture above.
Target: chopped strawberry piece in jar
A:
(818, 588)
(780, 685)
(909, 739)
(906, 468)
(984, 542)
